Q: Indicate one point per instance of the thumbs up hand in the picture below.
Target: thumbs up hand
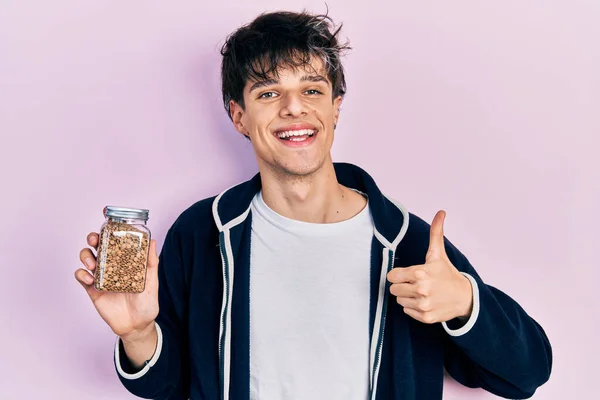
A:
(435, 291)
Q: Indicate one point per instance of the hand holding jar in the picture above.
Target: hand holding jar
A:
(124, 285)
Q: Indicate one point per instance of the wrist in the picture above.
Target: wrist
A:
(139, 335)
(467, 304)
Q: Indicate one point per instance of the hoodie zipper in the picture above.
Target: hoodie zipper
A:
(377, 360)
(225, 265)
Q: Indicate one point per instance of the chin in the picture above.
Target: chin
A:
(299, 168)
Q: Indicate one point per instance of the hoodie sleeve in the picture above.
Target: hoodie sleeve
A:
(500, 348)
(165, 375)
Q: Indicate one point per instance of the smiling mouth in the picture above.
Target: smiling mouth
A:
(296, 135)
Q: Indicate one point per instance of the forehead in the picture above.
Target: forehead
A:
(263, 71)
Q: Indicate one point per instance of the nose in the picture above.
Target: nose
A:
(292, 105)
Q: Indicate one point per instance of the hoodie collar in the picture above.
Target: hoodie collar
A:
(231, 207)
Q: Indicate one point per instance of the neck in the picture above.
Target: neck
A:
(315, 198)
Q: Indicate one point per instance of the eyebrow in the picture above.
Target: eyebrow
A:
(272, 81)
(264, 83)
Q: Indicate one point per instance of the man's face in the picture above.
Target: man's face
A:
(290, 119)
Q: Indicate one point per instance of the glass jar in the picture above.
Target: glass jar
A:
(123, 251)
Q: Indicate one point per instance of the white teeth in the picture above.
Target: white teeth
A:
(301, 132)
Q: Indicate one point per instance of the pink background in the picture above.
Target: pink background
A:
(490, 112)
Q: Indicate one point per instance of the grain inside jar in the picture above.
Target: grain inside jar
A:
(123, 251)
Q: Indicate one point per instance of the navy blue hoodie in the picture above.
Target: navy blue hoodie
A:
(204, 333)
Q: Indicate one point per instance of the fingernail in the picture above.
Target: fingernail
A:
(89, 262)
(88, 279)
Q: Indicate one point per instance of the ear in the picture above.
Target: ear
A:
(237, 113)
(337, 102)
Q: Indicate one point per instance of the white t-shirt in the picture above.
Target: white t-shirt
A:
(309, 307)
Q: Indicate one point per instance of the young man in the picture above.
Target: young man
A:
(306, 282)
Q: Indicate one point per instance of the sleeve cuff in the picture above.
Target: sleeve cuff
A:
(148, 365)
(474, 313)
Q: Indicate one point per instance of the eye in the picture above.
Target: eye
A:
(313, 91)
(267, 95)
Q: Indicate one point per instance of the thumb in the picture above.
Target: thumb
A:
(436, 249)
(152, 272)
(152, 256)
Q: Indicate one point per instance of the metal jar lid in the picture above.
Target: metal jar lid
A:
(128, 213)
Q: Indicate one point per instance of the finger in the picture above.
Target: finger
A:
(420, 304)
(404, 290)
(92, 240)
(87, 258)
(436, 248)
(407, 274)
(86, 280)
(408, 302)
(84, 277)
(422, 316)
(411, 312)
